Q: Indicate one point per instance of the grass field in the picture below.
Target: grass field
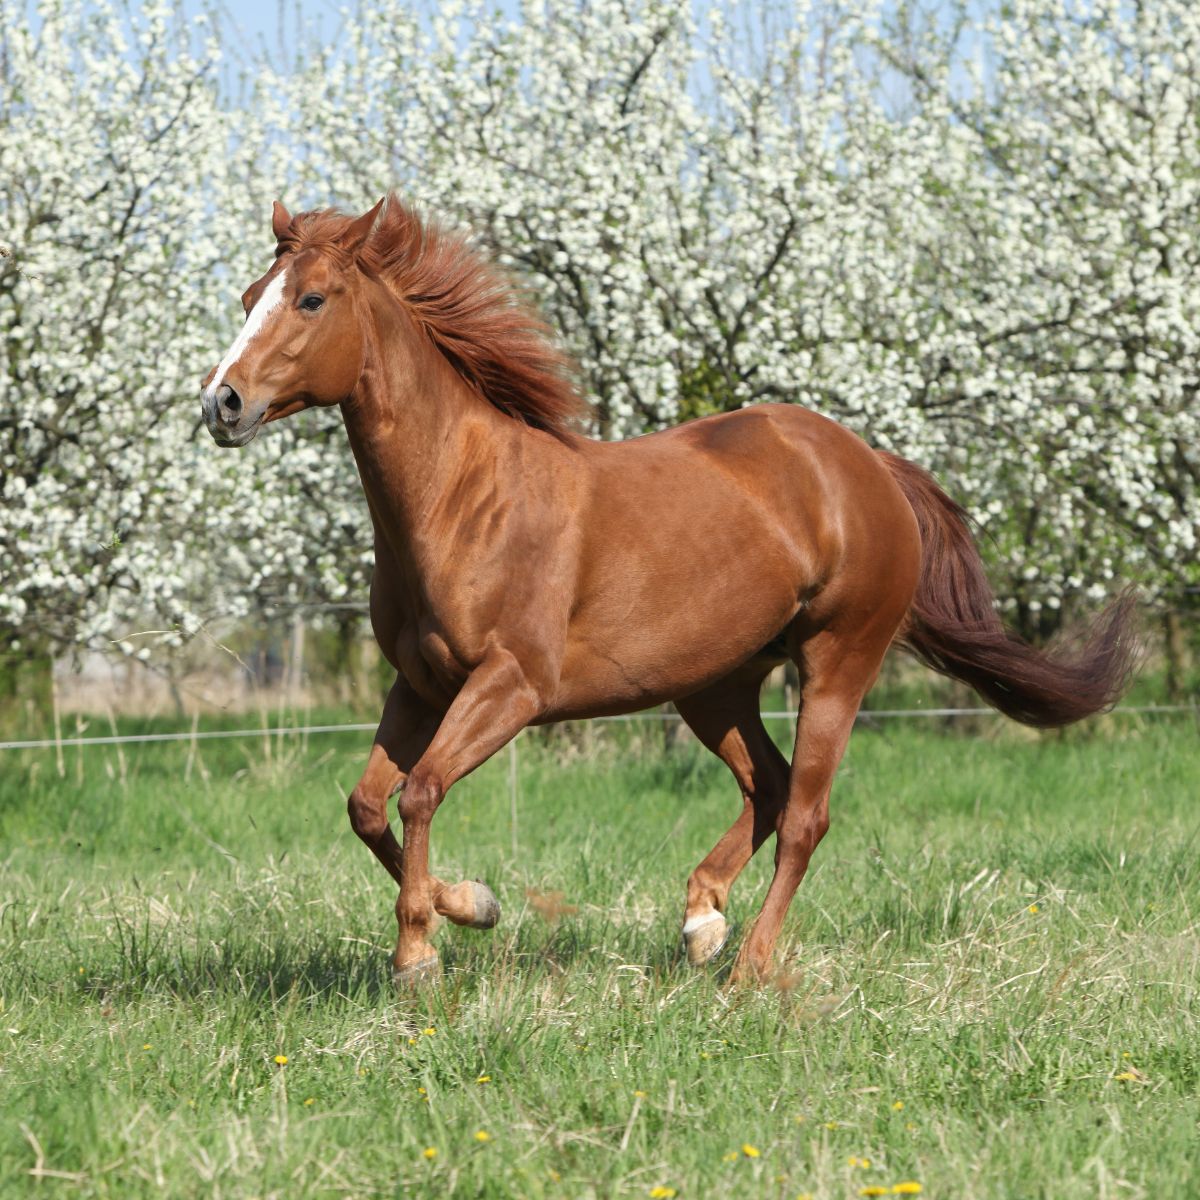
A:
(989, 988)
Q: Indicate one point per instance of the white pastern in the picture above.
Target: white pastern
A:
(694, 923)
(268, 302)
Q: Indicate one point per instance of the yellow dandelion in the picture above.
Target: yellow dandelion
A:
(429, 1032)
(145, 1045)
(484, 1079)
(639, 1094)
(81, 970)
(430, 1152)
(281, 1060)
(732, 1156)
(831, 1124)
(705, 1054)
(482, 1135)
(854, 1161)
(874, 1190)
(412, 1041)
(662, 1193)
(898, 1106)
(420, 1091)
(1127, 1077)
(1033, 908)
(750, 1151)
(309, 1102)
(1126, 1054)
(907, 1187)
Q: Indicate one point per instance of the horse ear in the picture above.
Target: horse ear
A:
(359, 229)
(281, 219)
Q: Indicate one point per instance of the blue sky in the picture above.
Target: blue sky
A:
(273, 25)
(278, 28)
(270, 25)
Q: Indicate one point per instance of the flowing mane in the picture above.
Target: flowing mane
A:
(470, 309)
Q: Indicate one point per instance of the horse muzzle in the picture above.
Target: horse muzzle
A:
(230, 421)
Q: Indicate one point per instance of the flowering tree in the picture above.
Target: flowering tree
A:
(968, 278)
(1061, 273)
(991, 273)
(126, 194)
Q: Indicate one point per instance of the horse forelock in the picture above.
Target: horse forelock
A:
(321, 230)
(471, 310)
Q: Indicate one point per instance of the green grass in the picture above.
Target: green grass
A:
(171, 925)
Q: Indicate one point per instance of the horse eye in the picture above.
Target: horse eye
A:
(312, 302)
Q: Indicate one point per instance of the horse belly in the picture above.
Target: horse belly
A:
(645, 644)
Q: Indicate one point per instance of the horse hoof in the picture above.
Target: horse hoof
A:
(487, 907)
(705, 937)
(412, 975)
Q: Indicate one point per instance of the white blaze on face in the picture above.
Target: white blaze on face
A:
(268, 302)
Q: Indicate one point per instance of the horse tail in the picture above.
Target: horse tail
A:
(953, 627)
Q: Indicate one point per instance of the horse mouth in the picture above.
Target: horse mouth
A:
(231, 441)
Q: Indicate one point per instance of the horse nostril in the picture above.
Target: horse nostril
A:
(229, 404)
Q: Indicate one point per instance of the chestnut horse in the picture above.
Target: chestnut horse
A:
(525, 573)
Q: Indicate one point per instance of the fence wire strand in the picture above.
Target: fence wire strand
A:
(865, 715)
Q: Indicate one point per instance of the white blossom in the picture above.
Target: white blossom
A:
(992, 270)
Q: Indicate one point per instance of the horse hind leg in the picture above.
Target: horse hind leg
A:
(838, 671)
(726, 719)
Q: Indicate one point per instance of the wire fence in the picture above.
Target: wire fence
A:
(865, 716)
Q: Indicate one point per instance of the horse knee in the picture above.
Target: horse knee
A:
(817, 825)
(821, 825)
(803, 828)
(368, 813)
(420, 798)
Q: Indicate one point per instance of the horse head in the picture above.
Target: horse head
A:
(302, 343)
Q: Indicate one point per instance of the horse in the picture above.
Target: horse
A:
(526, 573)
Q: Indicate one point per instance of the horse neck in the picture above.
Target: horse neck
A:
(414, 425)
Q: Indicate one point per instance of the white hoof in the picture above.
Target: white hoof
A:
(487, 907)
(411, 975)
(704, 937)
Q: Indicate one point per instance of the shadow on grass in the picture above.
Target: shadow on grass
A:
(275, 967)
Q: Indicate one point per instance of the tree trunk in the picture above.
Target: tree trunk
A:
(1178, 654)
(25, 690)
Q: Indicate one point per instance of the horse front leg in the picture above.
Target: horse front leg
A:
(405, 731)
(493, 706)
